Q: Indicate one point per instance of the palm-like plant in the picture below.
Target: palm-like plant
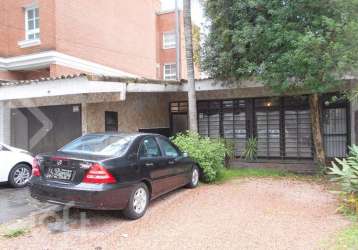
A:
(250, 151)
(346, 171)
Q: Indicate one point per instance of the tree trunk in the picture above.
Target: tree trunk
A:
(315, 110)
(193, 121)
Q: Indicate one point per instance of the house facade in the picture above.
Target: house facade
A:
(49, 38)
(39, 116)
(68, 69)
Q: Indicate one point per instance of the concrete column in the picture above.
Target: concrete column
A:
(84, 118)
(5, 131)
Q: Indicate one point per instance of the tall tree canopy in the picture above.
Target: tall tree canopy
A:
(286, 44)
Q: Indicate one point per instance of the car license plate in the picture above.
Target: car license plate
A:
(59, 174)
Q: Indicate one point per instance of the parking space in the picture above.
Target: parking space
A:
(242, 214)
(16, 203)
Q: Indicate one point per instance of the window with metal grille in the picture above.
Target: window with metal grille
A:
(268, 133)
(267, 118)
(282, 125)
(225, 119)
(335, 125)
(111, 121)
(298, 139)
(209, 118)
(234, 123)
(297, 124)
(335, 132)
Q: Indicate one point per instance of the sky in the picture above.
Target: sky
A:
(197, 11)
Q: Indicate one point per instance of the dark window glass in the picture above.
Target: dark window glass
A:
(111, 121)
(149, 148)
(202, 105)
(168, 149)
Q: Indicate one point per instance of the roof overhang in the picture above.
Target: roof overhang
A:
(45, 59)
(87, 84)
(61, 87)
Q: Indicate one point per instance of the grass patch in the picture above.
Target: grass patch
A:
(347, 239)
(228, 174)
(14, 233)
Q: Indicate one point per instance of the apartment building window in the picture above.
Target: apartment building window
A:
(169, 40)
(170, 71)
(32, 23)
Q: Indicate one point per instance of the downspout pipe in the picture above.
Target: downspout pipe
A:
(177, 43)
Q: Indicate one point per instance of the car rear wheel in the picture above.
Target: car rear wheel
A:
(194, 180)
(138, 202)
(20, 175)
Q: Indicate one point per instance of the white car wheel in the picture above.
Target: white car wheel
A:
(20, 175)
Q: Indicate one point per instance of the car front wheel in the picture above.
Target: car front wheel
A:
(20, 175)
(138, 202)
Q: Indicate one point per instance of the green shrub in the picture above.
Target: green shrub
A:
(208, 153)
(250, 151)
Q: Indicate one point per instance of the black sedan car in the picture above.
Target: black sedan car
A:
(112, 171)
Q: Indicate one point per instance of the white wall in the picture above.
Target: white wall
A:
(4, 123)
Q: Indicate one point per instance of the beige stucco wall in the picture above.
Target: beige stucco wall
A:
(145, 110)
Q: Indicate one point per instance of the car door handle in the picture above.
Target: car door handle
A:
(171, 162)
(149, 164)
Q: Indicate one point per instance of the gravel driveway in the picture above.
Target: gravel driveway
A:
(241, 214)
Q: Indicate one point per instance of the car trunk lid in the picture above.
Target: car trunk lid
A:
(67, 168)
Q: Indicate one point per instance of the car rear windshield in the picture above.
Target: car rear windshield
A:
(106, 145)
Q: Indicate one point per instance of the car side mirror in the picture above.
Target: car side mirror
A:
(185, 154)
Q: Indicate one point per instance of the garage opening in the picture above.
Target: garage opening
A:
(45, 129)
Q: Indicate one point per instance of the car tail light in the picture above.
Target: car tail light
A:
(36, 168)
(97, 174)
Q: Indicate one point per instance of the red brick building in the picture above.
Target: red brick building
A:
(48, 38)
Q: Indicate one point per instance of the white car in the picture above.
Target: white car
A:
(15, 166)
